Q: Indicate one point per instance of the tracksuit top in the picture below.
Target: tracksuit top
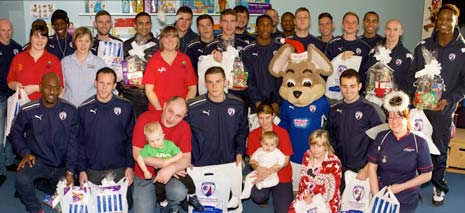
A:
(219, 130)
(105, 134)
(7, 53)
(60, 47)
(186, 39)
(452, 60)
(347, 124)
(300, 122)
(310, 39)
(49, 134)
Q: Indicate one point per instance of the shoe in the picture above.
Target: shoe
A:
(2, 179)
(185, 205)
(12, 168)
(438, 196)
(194, 202)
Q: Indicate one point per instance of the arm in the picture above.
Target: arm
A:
(241, 136)
(142, 166)
(173, 159)
(165, 174)
(71, 156)
(130, 123)
(191, 92)
(373, 177)
(363, 173)
(416, 181)
(149, 161)
(153, 98)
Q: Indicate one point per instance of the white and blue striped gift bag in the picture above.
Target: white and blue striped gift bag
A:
(384, 202)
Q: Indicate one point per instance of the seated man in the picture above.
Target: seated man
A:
(45, 136)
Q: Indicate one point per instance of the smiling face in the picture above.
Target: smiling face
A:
(143, 25)
(287, 23)
(370, 24)
(326, 26)
(50, 89)
(446, 22)
(349, 89)
(242, 20)
(105, 85)
(393, 31)
(83, 43)
(184, 22)
(350, 25)
(103, 24)
(6, 31)
(38, 41)
(318, 149)
(60, 26)
(397, 123)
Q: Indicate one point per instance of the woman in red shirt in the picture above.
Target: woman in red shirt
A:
(169, 72)
(28, 67)
(282, 193)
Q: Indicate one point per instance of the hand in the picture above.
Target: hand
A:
(217, 56)
(129, 174)
(147, 175)
(308, 200)
(257, 104)
(28, 159)
(395, 188)
(262, 173)
(347, 54)
(362, 174)
(275, 107)
(238, 159)
(69, 179)
(180, 173)
(164, 175)
(441, 105)
(18, 86)
(29, 89)
(82, 178)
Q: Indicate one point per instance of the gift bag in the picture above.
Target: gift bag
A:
(356, 195)
(76, 199)
(318, 205)
(14, 104)
(332, 84)
(423, 128)
(218, 187)
(384, 201)
(110, 197)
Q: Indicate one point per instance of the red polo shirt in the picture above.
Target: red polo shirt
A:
(26, 71)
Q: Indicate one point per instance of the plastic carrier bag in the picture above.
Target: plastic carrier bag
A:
(318, 205)
(14, 104)
(356, 195)
(384, 201)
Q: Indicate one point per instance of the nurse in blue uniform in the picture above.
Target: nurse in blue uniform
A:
(398, 158)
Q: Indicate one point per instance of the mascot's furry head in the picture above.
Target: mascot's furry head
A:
(396, 101)
(301, 72)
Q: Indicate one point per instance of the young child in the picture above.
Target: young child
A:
(321, 174)
(267, 156)
(158, 147)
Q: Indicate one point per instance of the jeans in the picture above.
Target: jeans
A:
(25, 182)
(282, 196)
(145, 198)
(7, 156)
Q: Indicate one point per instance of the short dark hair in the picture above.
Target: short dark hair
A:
(143, 14)
(204, 16)
(350, 13)
(325, 15)
(262, 17)
(228, 11)
(287, 14)
(371, 12)
(452, 7)
(242, 9)
(39, 28)
(102, 13)
(60, 14)
(185, 9)
(349, 73)
(106, 70)
(215, 70)
(302, 9)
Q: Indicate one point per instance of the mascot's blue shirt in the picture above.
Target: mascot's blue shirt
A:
(300, 122)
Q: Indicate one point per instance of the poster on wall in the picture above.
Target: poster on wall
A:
(429, 18)
(42, 10)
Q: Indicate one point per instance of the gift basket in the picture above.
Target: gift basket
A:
(429, 83)
(380, 77)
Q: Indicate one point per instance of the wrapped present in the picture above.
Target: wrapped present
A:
(133, 70)
(239, 75)
(429, 83)
(380, 77)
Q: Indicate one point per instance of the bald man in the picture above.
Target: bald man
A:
(8, 49)
(275, 18)
(401, 58)
(45, 136)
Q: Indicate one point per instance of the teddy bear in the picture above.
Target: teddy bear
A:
(304, 107)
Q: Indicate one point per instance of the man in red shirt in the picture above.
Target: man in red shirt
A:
(176, 130)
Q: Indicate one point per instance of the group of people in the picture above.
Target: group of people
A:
(76, 126)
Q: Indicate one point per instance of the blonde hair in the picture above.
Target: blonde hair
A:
(169, 31)
(152, 128)
(80, 32)
(270, 135)
(321, 136)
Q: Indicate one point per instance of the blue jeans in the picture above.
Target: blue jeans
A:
(145, 199)
(7, 156)
(25, 182)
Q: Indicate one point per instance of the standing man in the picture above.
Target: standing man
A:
(348, 120)
(302, 27)
(44, 135)
(141, 47)
(196, 47)
(219, 123)
(60, 44)
(106, 122)
(401, 58)
(183, 24)
(275, 17)
(176, 129)
(348, 43)
(326, 27)
(287, 24)
(449, 45)
(263, 87)
(107, 46)
(243, 15)
(8, 49)
(370, 28)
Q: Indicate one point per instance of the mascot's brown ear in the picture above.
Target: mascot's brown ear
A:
(321, 62)
(280, 61)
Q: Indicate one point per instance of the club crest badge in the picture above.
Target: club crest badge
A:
(358, 192)
(358, 115)
(62, 116)
(208, 188)
(312, 108)
(398, 62)
(452, 57)
(231, 111)
(117, 110)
